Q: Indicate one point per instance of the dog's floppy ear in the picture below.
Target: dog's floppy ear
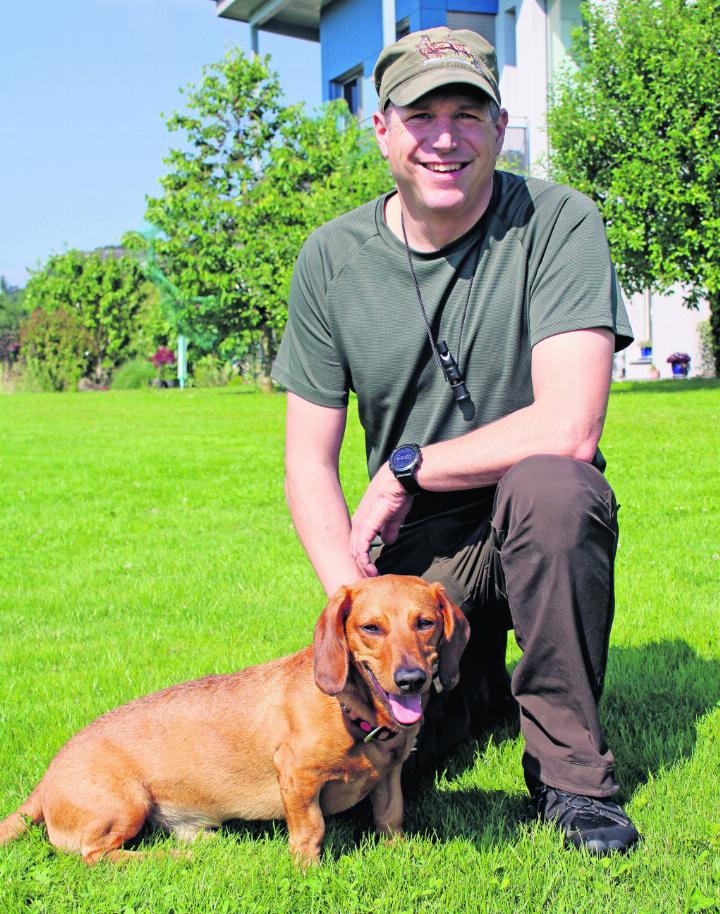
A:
(332, 659)
(456, 632)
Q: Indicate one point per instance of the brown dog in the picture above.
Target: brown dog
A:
(295, 738)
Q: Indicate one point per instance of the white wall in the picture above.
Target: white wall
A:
(673, 329)
(523, 87)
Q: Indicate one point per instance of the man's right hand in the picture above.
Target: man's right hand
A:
(381, 510)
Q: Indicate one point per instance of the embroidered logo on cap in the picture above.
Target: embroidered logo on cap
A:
(447, 50)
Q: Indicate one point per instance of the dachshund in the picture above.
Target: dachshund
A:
(296, 738)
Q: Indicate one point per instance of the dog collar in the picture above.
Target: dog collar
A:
(367, 731)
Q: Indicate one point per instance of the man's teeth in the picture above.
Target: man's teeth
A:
(453, 166)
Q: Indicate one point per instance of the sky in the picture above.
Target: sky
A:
(82, 87)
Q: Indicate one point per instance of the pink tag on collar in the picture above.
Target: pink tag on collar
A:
(364, 725)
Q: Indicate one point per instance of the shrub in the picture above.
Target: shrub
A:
(209, 371)
(104, 289)
(706, 358)
(133, 374)
(57, 349)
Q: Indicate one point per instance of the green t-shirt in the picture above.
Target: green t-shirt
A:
(354, 321)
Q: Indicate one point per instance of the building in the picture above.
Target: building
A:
(533, 39)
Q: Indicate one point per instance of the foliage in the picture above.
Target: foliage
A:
(251, 181)
(12, 311)
(12, 307)
(705, 350)
(133, 374)
(57, 349)
(210, 371)
(105, 290)
(637, 128)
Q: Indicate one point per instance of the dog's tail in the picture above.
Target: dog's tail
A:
(17, 822)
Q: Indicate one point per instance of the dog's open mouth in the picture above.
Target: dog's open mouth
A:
(405, 709)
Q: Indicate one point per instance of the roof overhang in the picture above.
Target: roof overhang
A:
(297, 18)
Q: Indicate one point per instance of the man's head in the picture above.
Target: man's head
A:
(426, 61)
(440, 125)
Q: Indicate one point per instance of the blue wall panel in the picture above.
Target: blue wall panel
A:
(350, 35)
(351, 30)
(473, 6)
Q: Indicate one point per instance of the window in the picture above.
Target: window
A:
(347, 86)
(484, 23)
(516, 154)
(509, 43)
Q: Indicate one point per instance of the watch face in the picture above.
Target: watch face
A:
(403, 458)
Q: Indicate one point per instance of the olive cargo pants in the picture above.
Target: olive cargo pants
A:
(536, 555)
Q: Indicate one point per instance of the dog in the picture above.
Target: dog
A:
(296, 738)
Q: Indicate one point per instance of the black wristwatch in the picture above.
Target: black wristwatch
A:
(403, 463)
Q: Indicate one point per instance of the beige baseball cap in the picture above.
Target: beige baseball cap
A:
(426, 60)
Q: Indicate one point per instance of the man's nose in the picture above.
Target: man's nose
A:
(445, 135)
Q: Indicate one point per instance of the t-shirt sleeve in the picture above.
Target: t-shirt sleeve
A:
(573, 284)
(307, 362)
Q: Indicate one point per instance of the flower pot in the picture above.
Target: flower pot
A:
(680, 369)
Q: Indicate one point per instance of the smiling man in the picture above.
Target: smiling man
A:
(475, 314)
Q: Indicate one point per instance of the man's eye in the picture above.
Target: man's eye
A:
(424, 624)
(371, 629)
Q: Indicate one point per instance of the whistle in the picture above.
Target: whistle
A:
(452, 372)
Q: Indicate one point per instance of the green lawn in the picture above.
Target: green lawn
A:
(145, 541)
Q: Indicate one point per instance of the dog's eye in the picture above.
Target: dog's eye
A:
(425, 624)
(371, 629)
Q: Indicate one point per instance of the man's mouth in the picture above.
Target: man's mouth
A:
(406, 710)
(444, 167)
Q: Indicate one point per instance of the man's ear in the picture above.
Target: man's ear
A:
(500, 128)
(456, 632)
(331, 658)
(381, 130)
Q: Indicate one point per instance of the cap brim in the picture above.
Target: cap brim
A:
(413, 89)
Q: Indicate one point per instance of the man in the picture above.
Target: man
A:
(490, 483)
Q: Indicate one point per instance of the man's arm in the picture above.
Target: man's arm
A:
(571, 375)
(314, 435)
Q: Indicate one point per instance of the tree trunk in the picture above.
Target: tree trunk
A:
(714, 302)
(267, 350)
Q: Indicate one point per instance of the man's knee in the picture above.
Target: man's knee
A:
(557, 498)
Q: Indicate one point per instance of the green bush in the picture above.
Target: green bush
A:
(133, 374)
(57, 349)
(706, 358)
(210, 371)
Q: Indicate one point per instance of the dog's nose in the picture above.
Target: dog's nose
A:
(409, 680)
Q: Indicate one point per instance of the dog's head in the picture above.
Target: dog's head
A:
(394, 630)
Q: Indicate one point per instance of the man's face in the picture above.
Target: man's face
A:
(442, 151)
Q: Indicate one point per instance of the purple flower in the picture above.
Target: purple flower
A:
(163, 356)
(681, 357)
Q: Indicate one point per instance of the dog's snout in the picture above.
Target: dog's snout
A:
(410, 680)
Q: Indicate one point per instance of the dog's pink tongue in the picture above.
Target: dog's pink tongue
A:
(406, 709)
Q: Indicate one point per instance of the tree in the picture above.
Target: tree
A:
(106, 290)
(12, 311)
(637, 129)
(253, 180)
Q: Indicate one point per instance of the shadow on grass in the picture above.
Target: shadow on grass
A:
(654, 696)
(665, 387)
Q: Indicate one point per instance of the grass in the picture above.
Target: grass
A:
(145, 541)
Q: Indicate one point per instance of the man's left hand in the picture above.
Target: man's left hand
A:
(381, 510)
